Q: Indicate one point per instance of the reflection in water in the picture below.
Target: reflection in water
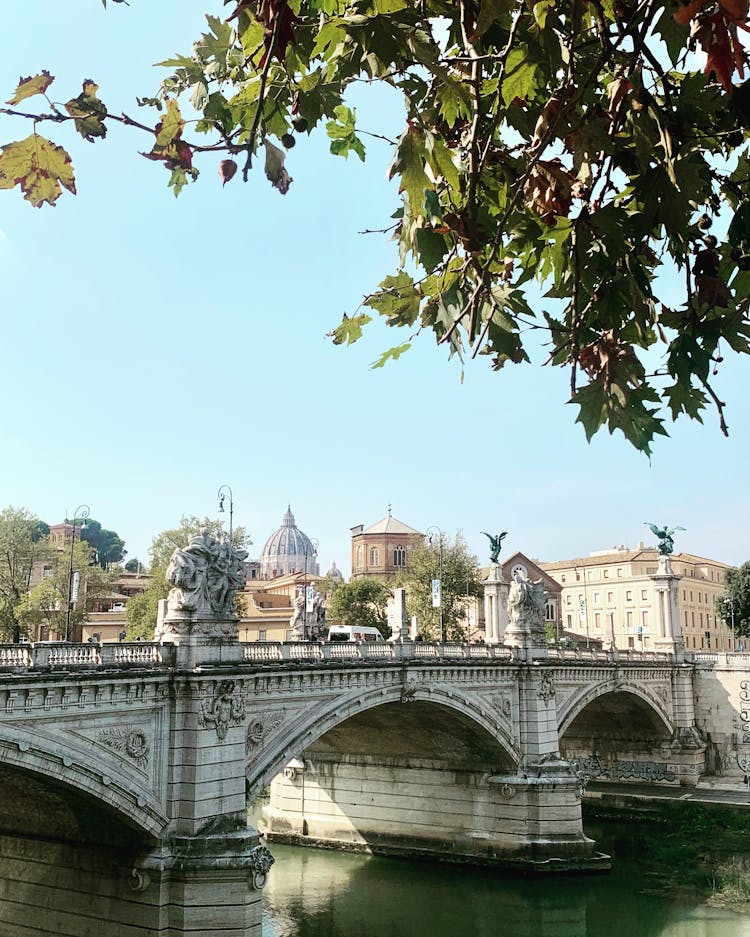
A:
(312, 893)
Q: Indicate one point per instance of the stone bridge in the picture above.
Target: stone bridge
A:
(134, 762)
(127, 768)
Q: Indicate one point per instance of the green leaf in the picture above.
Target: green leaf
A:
(520, 75)
(683, 398)
(393, 353)
(409, 164)
(398, 299)
(171, 125)
(489, 11)
(28, 87)
(349, 329)
(342, 133)
(432, 247)
(41, 169)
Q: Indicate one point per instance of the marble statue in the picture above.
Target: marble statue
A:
(526, 604)
(205, 576)
(295, 622)
(495, 544)
(664, 535)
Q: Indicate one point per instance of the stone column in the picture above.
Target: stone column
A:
(688, 750)
(495, 605)
(668, 625)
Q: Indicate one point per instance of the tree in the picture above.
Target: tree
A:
(108, 546)
(457, 569)
(45, 606)
(23, 544)
(575, 145)
(134, 566)
(734, 604)
(360, 602)
(142, 610)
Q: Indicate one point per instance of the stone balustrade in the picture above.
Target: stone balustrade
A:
(63, 655)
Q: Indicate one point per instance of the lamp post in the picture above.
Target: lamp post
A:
(437, 590)
(224, 492)
(728, 602)
(82, 511)
(315, 545)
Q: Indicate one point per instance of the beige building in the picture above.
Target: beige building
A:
(383, 549)
(610, 595)
(266, 607)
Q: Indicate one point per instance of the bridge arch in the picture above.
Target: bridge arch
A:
(284, 745)
(96, 786)
(649, 704)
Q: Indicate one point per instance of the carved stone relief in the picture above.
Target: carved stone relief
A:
(261, 861)
(260, 727)
(547, 689)
(226, 708)
(133, 743)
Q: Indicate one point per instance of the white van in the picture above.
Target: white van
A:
(353, 633)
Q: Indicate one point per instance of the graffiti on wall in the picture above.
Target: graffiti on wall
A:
(595, 769)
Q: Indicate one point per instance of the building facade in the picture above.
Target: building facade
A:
(610, 595)
(383, 549)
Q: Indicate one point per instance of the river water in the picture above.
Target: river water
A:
(316, 893)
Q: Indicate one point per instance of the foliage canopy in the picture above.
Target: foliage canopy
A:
(457, 568)
(734, 604)
(595, 149)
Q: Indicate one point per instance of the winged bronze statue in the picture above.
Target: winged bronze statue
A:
(664, 535)
(495, 544)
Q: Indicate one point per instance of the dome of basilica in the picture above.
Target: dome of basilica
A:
(288, 550)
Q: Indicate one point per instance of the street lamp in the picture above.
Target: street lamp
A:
(315, 545)
(730, 602)
(224, 492)
(437, 584)
(82, 511)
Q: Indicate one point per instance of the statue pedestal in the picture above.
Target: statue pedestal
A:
(197, 640)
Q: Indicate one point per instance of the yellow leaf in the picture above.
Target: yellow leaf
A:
(28, 87)
(39, 167)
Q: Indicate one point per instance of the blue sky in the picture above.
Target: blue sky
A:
(156, 348)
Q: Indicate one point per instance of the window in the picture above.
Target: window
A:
(610, 598)
(605, 574)
(569, 619)
(46, 572)
(597, 598)
(631, 643)
(598, 621)
(549, 613)
(629, 620)
(644, 595)
(261, 635)
(578, 576)
(562, 578)
(399, 556)
(644, 620)
(691, 596)
(568, 599)
(628, 595)
(374, 556)
(619, 574)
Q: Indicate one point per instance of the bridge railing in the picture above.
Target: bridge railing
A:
(63, 655)
(273, 651)
(597, 654)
